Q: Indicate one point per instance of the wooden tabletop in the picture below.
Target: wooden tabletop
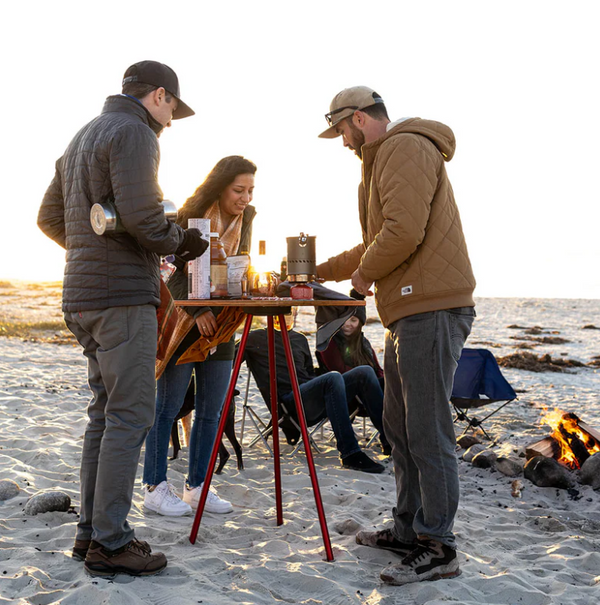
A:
(267, 302)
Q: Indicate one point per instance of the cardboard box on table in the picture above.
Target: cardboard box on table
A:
(199, 269)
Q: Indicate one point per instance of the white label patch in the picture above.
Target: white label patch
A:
(406, 290)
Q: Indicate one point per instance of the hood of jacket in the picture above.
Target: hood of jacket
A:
(439, 134)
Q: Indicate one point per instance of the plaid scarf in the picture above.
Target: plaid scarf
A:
(166, 315)
(177, 323)
(230, 237)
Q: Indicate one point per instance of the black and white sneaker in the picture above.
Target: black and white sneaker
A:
(384, 538)
(430, 560)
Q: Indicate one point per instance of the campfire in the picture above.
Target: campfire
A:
(571, 443)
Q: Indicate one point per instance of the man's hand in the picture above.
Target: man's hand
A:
(360, 285)
(192, 245)
(207, 324)
(318, 278)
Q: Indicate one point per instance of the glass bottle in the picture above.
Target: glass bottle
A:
(245, 251)
(283, 273)
(261, 282)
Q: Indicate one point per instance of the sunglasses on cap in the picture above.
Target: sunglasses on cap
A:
(329, 116)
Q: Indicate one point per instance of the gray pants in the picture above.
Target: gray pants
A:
(421, 356)
(120, 345)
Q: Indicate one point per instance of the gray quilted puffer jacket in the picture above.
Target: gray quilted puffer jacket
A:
(113, 158)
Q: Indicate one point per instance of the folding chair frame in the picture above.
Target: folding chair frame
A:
(478, 382)
(474, 422)
(263, 430)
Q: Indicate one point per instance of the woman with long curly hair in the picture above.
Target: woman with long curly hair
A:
(225, 198)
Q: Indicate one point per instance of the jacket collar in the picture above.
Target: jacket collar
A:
(369, 150)
(125, 104)
(249, 213)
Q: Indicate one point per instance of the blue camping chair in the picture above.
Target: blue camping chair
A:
(478, 382)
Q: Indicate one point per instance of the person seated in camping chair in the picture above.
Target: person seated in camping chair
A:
(327, 394)
(349, 348)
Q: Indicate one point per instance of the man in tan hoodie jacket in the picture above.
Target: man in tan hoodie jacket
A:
(414, 251)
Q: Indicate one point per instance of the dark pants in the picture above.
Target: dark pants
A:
(421, 356)
(332, 392)
(120, 346)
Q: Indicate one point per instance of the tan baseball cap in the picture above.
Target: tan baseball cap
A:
(345, 103)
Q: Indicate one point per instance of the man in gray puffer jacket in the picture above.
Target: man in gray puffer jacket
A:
(111, 291)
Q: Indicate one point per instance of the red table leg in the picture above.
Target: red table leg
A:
(213, 458)
(305, 437)
(275, 420)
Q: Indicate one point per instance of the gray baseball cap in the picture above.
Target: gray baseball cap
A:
(345, 103)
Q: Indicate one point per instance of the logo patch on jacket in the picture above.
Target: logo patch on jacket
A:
(406, 290)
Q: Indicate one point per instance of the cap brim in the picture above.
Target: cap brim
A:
(182, 111)
(330, 133)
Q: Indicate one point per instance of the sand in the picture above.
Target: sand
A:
(540, 548)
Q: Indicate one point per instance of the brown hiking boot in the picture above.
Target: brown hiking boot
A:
(134, 558)
(80, 549)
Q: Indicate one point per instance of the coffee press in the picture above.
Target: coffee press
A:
(301, 265)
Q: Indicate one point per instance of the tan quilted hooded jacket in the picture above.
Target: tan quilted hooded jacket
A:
(413, 245)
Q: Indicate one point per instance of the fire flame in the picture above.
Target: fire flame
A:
(565, 429)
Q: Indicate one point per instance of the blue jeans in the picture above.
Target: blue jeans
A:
(332, 392)
(421, 356)
(212, 380)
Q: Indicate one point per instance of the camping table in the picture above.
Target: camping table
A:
(269, 308)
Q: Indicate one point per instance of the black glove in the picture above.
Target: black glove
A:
(192, 246)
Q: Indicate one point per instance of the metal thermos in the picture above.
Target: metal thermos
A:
(104, 218)
(301, 258)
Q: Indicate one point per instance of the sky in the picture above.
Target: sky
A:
(515, 80)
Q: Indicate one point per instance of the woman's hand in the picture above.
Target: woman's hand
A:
(207, 324)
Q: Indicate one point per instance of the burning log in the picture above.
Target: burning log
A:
(571, 443)
(577, 446)
(589, 430)
(548, 446)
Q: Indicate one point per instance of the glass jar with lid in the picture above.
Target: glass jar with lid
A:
(218, 267)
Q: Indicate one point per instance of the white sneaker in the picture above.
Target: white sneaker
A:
(214, 504)
(164, 501)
